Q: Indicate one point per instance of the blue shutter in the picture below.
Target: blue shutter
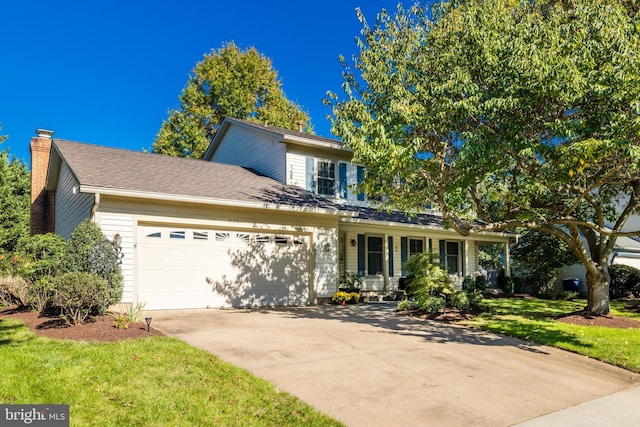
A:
(390, 248)
(342, 178)
(361, 255)
(360, 178)
(462, 257)
(404, 254)
(311, 176)
(443, 255)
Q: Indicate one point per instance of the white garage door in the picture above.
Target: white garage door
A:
(181, 267)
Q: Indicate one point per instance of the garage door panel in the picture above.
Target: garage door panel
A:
(227, 269)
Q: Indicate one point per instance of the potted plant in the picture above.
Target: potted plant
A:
(343, 298)
(349, 282)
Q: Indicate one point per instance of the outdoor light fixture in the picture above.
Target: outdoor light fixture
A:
(353, 242)
(148, 320)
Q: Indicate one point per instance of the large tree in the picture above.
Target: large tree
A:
(14, 200)
(227, 82)
(519, 113)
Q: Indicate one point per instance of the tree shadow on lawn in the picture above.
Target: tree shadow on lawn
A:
(382, 317)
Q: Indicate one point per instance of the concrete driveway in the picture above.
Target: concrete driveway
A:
(366, 366)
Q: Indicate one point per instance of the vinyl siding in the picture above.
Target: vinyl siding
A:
(112, 224)
(326, 261)
(71, 209)
(297, 170)
(249, 148)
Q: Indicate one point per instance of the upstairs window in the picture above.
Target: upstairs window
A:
(326, 181)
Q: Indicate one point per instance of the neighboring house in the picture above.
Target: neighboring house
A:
(269, 217)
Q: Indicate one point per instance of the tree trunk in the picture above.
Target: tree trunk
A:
(598, 303)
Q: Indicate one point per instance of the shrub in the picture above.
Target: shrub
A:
(518, 285)
(429, 304)
(475, 298)
(79, 295)
(349, 279)
(481, 283)
(14, 290)
(89, 251)
(468, 284)
(406, 304)
(428, 279)
(460, 300)
(41, 294)
(40, 255)
(625, 280)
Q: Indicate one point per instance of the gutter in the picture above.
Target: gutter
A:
(205, 201)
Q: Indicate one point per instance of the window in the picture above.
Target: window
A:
(262, 239)
(200, 235)
(326, 178)
(221, 237)
(416, 246)
(243, 237)
(282, 240)
(154, 235)
(452, 257)
(374, 255)
(177, 235)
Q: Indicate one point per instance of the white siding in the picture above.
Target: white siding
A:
(71, 208)
(249, 148)
(112, 224)
(297, 170)
(326, 261)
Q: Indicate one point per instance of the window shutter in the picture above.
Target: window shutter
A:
(462, 257)
(360, 178)
(404, 254)
(390, 248)
(443, 254)
(361, 255)
(311, 176)
(342, 180)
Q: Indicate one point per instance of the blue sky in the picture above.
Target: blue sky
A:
(107, 72)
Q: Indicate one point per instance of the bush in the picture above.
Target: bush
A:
(475, 298)
(518, 285)
(40, 255)
(625, 280)
(460, 300)
(349, 279)
(41, 294)
(14, 290)
(90, 251)
(429, 304)
(428, 279)
(481, 283)
(468, 284)
(406, 304)
(79, 295)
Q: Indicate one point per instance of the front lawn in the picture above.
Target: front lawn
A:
(534, 320)
(155, 381)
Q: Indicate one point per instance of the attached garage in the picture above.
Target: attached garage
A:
(180, 267)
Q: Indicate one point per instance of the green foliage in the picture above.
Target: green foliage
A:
(80, 294)
(41, 293)
(468, 284)
(429, 304)
(481, 282)
(89, 251)
(460, 300)
(524, 114)
(539, 257)
(227, 82)
(426, 278)
(15, 198)
(406, 304)
(40, 255)
(625, 281)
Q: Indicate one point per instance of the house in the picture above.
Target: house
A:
(269, 217)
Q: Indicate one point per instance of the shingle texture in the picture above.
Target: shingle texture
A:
(112, 168)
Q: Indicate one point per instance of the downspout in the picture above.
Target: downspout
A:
(94, 208)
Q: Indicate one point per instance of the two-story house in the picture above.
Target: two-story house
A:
(269, 217)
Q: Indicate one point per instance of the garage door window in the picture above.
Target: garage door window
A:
(200, 235)
(177, 235)
(157, 234)
(221, 237)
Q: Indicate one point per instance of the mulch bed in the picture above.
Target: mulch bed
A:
(584, 319)
(99, 328)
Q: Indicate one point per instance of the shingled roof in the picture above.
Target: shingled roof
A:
(111, 169)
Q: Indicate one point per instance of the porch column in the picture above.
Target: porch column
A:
(466, 271)
(385, 263)
(507, 260)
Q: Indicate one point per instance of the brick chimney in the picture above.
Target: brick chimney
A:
(42, 218)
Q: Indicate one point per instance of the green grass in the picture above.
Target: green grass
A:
(155, 381)
(534, 320)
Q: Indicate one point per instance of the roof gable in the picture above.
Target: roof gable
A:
(282, 134)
